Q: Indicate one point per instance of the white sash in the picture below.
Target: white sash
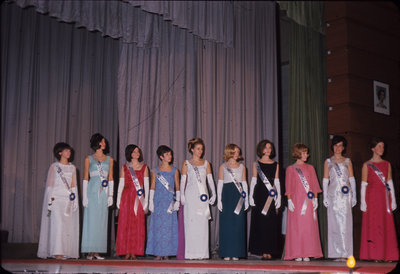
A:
(72, 196)
(272, 193)
(383, 180)
(339, 174)
(239, 188)
(103, 179)
(203, 194)
(165, 183)
(310, 194)
(139, 190)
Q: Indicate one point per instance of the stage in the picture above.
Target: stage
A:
(148, 265)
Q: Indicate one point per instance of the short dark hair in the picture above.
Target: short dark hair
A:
(95, 141)
(193, 142)
(374, 141)
(337, 139)
(59, 147)
(260, 147)
(161, 150)
(128, 152)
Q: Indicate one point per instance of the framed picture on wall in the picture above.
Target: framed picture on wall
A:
(381, 98)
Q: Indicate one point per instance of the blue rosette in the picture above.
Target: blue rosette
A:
(243, 194)
(139, 192)
(72, 196)
(272, 193)
(203, 197)
(104, 183)
(345, 189)
(310, 195)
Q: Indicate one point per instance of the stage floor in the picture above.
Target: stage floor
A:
(148, 265)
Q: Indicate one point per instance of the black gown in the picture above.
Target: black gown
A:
(264, 229)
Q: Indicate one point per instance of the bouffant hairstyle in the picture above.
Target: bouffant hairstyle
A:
(229, 152)
(297, 149)
(193, 142)
(260, 148)
(161, 150)
(128, 152)
(375, 141)
(95, 141)
(59, 147)
(337, 139)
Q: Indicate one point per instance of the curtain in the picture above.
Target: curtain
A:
(58, 84)
(307, 89)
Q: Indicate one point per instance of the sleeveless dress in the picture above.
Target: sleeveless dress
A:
(264, 229)
(302, 232)
(196, 215)
(232, 227)
(59, 234)
(131, 228)
(163, 232)
(378, 234)
(95, 218)
(340, 218)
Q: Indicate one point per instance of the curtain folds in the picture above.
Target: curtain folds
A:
(138, 21)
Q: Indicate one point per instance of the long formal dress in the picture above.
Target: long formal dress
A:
(95, 218)
(163, 231)
(131, 228)
(264, 229)
(378, 234)
(232, 227)
(196, 214)
(302, 233)
(59, 232)
(340, 218)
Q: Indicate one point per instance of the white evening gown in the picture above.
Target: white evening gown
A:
(59, 234)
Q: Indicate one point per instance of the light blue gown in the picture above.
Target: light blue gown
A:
(95, 219)
(163, 232)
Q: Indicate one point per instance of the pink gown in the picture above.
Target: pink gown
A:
(302, 235)
(378, 234)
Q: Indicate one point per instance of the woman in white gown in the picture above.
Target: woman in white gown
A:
(196, 172)
(59, 230)
(339, 197)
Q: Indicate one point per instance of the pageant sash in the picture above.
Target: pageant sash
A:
(202, 191)
(310, 194)
(103, 179)
(383, 180)
(239, 188)
(343, 186)
(72, 196)
(272, 193)
(165, 183)
(139, 190)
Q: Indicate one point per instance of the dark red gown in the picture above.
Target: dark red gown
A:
(378, 235)
(131, 228)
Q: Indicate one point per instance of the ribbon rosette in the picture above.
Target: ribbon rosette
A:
(345, 189)
(272, 193)
(72, 196)
(203, 197)
(104, 183)
(139, 192)
(310, 195)
(243, 194)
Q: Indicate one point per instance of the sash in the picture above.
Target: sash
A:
(104, 181)
(72, 196)
(165, 183)
(272, 193)
(383, 180)
(202, 191)
(139, 190)
(239, 188)
(310, 194)
(343, 186)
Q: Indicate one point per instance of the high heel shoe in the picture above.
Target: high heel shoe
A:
(98, 257)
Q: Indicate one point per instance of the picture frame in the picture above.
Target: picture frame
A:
(381, 98)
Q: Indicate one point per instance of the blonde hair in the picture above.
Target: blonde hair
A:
(193, 142)
(297, 149)
(229, 152)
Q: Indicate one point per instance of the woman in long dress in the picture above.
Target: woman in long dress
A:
(164, 201)
(378, 201)
(232, 203)
(195, 198)
(132, 204)
(97, 197)
(265, 198)
(302, 188)
(339, 197)
(59, 231)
